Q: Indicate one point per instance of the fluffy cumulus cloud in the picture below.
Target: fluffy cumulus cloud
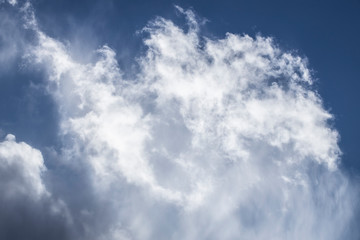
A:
(21, 168)
(27, 208)
(210, 139)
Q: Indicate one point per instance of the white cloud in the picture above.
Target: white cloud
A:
(21, 167)
(213, 139)
(12, 2)
(27, 205)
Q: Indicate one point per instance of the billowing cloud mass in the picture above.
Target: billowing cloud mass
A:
(21, 166)
(210, 139)
(25, 201)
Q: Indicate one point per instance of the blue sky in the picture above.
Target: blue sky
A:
(179, 119)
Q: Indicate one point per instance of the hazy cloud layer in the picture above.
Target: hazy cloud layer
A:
(211, 139)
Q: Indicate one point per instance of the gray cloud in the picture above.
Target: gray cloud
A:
(27, 208)
(212, 139)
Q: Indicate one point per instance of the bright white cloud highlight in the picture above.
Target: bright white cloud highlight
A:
(212, 139)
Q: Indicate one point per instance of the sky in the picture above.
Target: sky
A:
(125, 120)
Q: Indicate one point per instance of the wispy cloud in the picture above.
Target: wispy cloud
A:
(211, 139)
(12, 2)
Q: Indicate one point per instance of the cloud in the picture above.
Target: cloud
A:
(27, 208)
(211, 139)
(21, 168)
(11, 2)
